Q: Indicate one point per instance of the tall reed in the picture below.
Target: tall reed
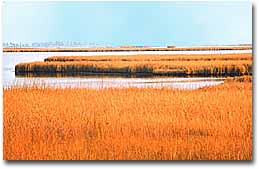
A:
(213, 123)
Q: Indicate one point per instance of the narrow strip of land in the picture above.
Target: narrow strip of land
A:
(126, 49)
(151, 65)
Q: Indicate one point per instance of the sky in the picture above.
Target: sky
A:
(129, 23)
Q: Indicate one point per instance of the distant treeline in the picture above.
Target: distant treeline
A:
(125, 49)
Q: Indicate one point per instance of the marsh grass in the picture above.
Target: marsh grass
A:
(171, 65)
(152, 57)
(212, 123)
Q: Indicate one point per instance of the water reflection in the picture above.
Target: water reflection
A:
(115, 82)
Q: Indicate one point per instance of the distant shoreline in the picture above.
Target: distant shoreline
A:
(128, 49)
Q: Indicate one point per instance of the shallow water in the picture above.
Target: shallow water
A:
(11, 59)
(114, 82)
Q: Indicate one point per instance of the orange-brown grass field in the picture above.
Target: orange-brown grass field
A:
(153, 57)
(175, 65)
(213, 123)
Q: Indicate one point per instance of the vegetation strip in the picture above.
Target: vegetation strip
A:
(125, 49)
(146, 65)
(152, 57)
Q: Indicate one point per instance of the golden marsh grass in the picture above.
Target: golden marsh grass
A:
(174, 65)
(213, 123)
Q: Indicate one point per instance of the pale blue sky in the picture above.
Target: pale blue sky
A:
(129, 23)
